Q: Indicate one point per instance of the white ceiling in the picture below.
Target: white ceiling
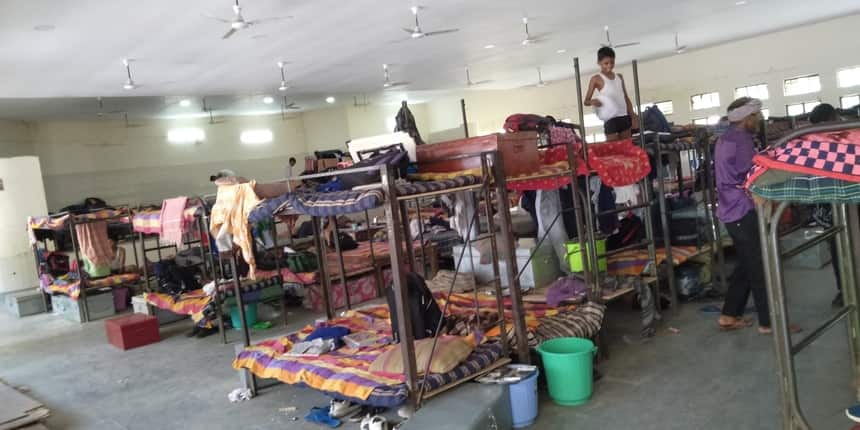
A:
(333, 47)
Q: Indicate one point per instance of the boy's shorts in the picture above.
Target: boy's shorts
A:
(617, 125)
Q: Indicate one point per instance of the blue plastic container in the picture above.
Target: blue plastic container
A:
(250, 315)
(524, 401)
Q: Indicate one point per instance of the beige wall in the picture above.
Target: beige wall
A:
(136, 164)
(15, 139)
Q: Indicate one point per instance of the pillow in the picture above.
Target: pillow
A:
(450, 351)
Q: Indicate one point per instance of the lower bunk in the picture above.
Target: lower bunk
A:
(368, 368)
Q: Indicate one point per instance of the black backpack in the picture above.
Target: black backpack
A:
(423, 309)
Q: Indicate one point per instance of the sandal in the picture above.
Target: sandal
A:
(737, 324)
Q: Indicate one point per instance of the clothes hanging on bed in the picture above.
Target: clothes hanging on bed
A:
(95, 247)
(232, 206)
(548, 206)
(464, 211)
(173, 220)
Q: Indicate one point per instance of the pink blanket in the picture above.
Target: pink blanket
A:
(173, 223)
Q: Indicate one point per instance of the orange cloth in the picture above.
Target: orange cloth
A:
(232, 206)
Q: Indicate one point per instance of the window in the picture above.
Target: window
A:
(795, 109)
(596, 137)
(705, 101)
(755, 91)
(848, 102)
(186, 135)
(251, 137)
(848, 77)
(802, 85)
(711, 120)
(591, 120)
(667, 107)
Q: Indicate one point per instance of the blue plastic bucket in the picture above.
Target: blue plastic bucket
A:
(250, 315)
(524, 401)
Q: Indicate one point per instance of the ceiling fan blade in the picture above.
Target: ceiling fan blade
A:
(436, 33)
(225, 21)
(409, 30)
(228, 34)
(624, 45)
(267, 20)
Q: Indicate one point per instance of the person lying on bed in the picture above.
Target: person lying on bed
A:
(733, 157)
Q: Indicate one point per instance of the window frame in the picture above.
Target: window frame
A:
(746, 88)
(709, 93)
(848, 69)
(811, 75)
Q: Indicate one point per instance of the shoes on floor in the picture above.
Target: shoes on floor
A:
(342, 408)
(206, 332)
(376, 422)
(853, 413)
(838, 302)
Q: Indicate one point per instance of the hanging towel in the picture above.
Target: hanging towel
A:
(94, 242)
(173, 223)
(232, 206)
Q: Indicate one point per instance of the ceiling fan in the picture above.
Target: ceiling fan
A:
(530, 39)
(609, 43)
(679, 49)
(469, 82)
(240, 23)
(283, 86)
(129, 83)
(208, 110)
(387, 83)
(541, 82)
(417, 33)
(287, 106)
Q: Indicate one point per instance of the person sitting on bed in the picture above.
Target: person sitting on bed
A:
(825, 113)
(612, 104)
(733, 156)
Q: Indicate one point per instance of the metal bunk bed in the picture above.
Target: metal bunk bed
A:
(201, 221)
(492, 187)
(846, 231)
(122, 216)
(646, 191)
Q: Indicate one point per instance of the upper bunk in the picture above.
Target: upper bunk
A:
(815, 164)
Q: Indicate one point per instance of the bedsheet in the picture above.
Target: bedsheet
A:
(806, 189)
(73, 288)
(362, 289)
(345, 373)
(635, 261)
(59, 223)
(619, 163)
(148, 221)
(834, 155)
(192, 303)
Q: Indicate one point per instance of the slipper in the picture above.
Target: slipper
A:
(738, 324)
(792, 328)
(319, 415)
(342, 408)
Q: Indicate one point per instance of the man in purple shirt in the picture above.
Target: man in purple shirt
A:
(732, 160)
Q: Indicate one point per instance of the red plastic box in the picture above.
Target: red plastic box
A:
(132, 331)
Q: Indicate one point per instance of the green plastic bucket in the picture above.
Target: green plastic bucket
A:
(250, 315)
(567, 363)
(575, 257)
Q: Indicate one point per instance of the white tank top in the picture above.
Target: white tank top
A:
(611, 98)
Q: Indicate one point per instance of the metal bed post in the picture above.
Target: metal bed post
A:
(83, 309)
(463, 112)
(509, 255)
(497, 275)
(590, 252)
(779, 320)
(848, 286)
(401, 309)
(664, 220)
(853, 261)
(380, 279)
(645, 187)
(336, 239)
(279, 252)
(246, 333)
(709, 193)
(321, 256)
